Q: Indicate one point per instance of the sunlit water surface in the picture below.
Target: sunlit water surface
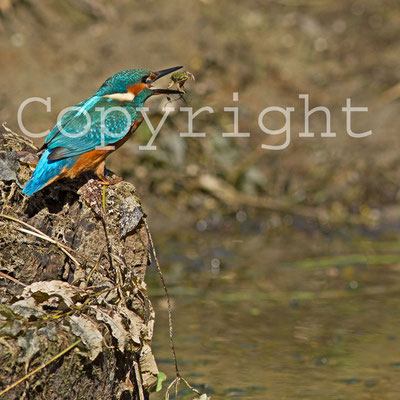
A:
(255, 317)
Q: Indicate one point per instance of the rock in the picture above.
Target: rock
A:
(74, 274)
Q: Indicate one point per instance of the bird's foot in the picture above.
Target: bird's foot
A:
(104, 181)
(101, 174)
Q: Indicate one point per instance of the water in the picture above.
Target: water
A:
(293, 316)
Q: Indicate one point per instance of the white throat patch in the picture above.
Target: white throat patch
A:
(121, 96)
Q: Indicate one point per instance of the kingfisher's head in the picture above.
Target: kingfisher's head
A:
(135, 84)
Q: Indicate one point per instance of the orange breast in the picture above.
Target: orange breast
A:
(86, 162)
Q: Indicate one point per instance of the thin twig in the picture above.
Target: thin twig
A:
(17, 137)
(72, 310)
(62, 246)
(49, 239)
(190, 386)
(94, 268)
(178, 376)
(12, 279)
(40, 368)
(109, 248)
(176, 383)
(104, 199)
(171, 336)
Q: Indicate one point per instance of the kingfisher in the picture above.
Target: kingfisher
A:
(90, 131)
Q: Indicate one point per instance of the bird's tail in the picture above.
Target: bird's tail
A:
(45, 172)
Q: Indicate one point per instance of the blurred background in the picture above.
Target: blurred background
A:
(283, 266)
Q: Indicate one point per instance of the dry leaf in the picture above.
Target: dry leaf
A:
(114, 321)
(83, 327)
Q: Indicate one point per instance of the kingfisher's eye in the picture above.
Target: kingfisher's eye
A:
(145, 79)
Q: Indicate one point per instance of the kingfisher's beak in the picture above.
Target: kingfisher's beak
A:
(160, 74)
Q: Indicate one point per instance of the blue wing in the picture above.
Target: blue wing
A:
(45, 172)
(93, 123)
